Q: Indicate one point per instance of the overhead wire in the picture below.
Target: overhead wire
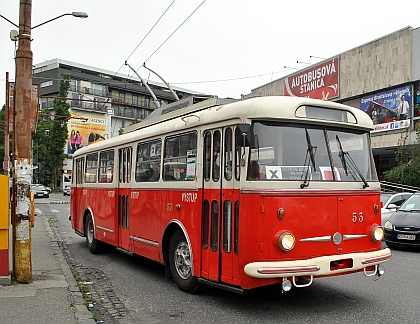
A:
(146, 35)
(173, 33)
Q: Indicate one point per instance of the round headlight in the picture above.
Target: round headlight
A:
(377, 233)
(388, 225)
(287, 241)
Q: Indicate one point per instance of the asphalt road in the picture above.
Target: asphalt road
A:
(144, 295)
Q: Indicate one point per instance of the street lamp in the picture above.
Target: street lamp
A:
(74, 14)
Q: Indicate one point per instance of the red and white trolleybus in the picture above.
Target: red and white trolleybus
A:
(237, 194)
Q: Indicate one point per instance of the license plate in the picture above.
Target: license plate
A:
(406, 237)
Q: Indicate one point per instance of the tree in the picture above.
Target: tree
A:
(407, 172)
(121, 130)
(50, 138)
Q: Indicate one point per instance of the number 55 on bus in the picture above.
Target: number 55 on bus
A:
(237, 194)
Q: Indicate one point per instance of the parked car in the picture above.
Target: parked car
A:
(403, 226)
(40, 191)
(66, 191)
(391, 201)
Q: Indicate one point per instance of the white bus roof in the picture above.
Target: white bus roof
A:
(216, 110)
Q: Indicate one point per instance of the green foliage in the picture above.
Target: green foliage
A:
(50, 139)
(408, 157)
(136, 121)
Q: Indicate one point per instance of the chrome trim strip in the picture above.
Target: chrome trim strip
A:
(302, 269)
(347, 237)
(144, 241)
(105, 229)
(316, 239)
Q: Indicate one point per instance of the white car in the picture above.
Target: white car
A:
(390, 202)
(66, 191)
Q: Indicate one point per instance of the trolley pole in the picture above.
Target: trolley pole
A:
(22, 161)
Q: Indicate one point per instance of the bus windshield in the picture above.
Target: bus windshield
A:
(286, 151)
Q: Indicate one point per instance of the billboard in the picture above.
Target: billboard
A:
(389, 109)
(319, 82)
(85, 129)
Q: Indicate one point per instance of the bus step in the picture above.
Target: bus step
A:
(124, 251)
(219, 285)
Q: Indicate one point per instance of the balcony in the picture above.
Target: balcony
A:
(138, 103)
(86, 90)
(91, 106)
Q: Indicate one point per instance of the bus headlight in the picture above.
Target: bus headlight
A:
(287, 241)
(377, 233)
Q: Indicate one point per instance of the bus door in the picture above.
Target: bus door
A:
(124, 180)
(220, 201)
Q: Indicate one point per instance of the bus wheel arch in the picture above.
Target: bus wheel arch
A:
(178, 259)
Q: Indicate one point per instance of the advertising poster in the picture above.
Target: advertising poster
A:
(84, 132)
(318, 82)
(388, 109)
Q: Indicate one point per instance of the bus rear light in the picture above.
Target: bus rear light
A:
(377, 233)
(287, 241)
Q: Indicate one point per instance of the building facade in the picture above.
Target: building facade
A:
(101, 102)
(381, 77)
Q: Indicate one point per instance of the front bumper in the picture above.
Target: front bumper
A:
(319, 266)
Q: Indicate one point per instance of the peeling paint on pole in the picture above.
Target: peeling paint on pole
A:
(23, 187)
(22, 231)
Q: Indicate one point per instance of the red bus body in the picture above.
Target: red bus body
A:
(233, 227)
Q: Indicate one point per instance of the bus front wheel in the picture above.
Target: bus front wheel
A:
(93, 244)
(180, 263)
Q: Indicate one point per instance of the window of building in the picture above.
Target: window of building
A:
(46, 84)
(135, 100)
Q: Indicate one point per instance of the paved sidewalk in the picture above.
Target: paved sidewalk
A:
(53, 296)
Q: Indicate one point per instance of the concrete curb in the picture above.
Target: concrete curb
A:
(81, 312)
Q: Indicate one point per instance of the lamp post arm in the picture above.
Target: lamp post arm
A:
(45, 22)
(74, 14)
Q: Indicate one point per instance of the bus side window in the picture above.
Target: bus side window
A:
(180, 157)
(228, 154)
(207, 156)
(91, 168)
(106, 166)
(148, 161)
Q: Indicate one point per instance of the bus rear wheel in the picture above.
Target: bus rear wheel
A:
(93, 244)
(180, 263)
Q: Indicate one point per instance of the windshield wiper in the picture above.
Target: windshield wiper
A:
(343, 155)
(311, 152)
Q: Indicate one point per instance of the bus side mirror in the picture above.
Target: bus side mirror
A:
(243, 135)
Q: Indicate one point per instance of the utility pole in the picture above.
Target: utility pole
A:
(22, 155)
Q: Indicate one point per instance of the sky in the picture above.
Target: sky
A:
(218, 47)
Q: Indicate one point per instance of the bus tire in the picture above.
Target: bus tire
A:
(93, 244)
(180, 264)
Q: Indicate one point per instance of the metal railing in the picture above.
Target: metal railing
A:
(86, 90)
(92, 106)
(396, 187)
(139, 103)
